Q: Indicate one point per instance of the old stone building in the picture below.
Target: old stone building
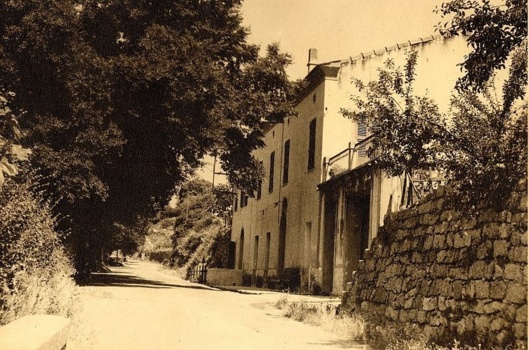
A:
(321, 204)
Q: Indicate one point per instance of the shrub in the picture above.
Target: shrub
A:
(34, 268)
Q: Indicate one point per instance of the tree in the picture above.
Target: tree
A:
(407, 126)
(480, 145)
(492, 31)
(121, 100)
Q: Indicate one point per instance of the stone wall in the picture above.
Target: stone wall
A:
(448, 274)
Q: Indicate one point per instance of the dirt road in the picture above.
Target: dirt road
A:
(142, 306)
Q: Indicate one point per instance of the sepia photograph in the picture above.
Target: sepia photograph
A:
(263, 174)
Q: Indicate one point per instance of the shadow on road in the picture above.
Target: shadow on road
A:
(121, 277)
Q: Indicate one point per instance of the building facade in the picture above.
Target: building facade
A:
(321, 203)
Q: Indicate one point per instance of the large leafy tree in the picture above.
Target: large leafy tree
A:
(122, 99)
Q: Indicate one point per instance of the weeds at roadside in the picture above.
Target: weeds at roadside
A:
(324, 315)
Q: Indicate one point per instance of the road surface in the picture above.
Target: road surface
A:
(143, 306)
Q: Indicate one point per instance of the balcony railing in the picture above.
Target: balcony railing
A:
(415, 186)
(350, 158)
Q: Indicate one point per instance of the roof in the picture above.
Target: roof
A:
(331, 69)
(317, 75)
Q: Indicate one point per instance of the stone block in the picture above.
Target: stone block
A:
(478, 270)
(484, 250)
(462, 239)
(520, 332)
(523, 202)
(509, 311)
(448, 215)
(516, 293)
(441, 227)
(441, 303)
(498, 272)
(498, 324)
(439, 203)
(437, 319)
(457, 290)
(498, 290)
(35, 332)
(521, 314)
(421, 316)
(518, 254)
(475, 234)
(492, 307)
(490, 230)
(478, 307)
(482, 324)
(439, 241)
(429, 219)
(505, 216)
(513, 272)
(501, 248)
(392, 313)
(468, 223)
(482, 289)
(428, 243)
(505, 231)
(461, 326)
(425, 207)
(441, 256)
(429, 304)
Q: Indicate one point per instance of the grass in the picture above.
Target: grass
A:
(352, 326)
(325, 315)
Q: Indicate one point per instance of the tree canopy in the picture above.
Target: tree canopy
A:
(122, 99)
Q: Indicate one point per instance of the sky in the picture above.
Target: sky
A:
(336, 28)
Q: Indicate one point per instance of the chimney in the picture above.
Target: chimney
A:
(313, 59)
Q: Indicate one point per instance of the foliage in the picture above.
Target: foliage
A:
(34, 269)
(407, 126)
(481, 144)
(492, 30)
(198, 220)
(195, 229)
(488, 156)
(121, 100)
(11, 151)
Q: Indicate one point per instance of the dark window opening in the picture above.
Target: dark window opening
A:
(286, 162)
(271, 173)
(312, 145)
(259, 186)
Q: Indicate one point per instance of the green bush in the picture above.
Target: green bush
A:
(34, 268)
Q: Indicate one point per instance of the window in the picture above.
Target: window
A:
(271, 173)
(244, 199)
(260, 185)
(312, 144)
(286, 160)
(235, 204)
(361, 135)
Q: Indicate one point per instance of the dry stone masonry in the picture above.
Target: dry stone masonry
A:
(449, 274)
